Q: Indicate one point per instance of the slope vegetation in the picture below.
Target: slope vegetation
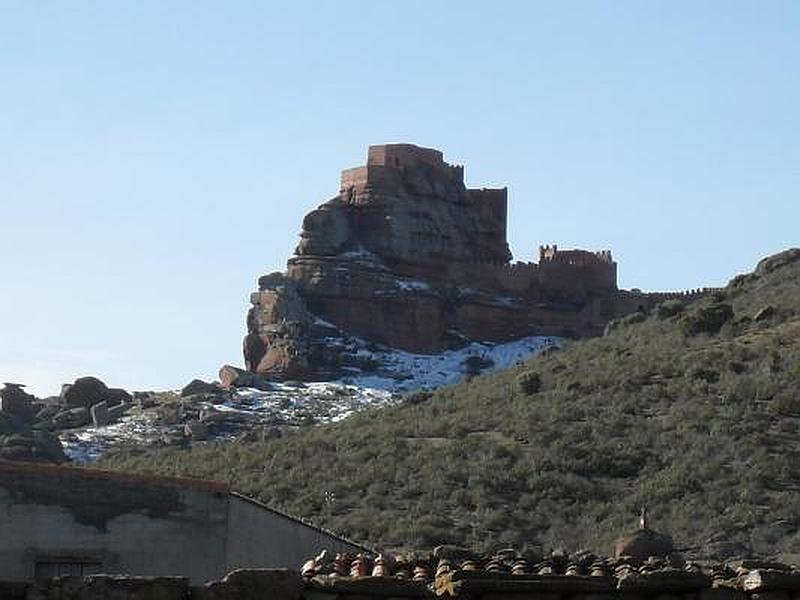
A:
(693, 411)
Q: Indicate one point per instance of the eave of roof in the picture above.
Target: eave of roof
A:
(7, 466)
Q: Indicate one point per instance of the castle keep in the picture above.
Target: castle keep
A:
(407, 256)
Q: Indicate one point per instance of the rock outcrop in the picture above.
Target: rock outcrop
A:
(407, 256)
(21, 435)
(28, 425)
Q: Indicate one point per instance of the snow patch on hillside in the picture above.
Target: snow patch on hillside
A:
(258, 413)
(400, 371)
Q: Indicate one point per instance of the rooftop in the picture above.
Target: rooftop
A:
(451, 572)
(7, 466)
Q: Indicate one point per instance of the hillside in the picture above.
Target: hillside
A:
(692, 411)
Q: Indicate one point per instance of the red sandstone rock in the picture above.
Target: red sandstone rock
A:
(407, 256)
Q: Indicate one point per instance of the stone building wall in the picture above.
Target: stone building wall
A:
(68, 520)
(259, 536)
(55, 518)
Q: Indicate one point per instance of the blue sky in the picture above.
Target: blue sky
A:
(157, 157)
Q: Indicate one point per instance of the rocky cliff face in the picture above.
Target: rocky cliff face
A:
(407, 256)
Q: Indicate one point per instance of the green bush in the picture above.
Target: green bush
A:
(529, 382)
(707, 319)
(707, 375)
(418, 397)
(631, 319)
(669, 308)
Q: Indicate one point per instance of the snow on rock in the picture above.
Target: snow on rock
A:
(400, 371)
(412, 285)
(251, 412)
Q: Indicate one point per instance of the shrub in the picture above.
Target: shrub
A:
(529, 382)
(474, 364)
(719, 295)
(707, 375)
(737, 367)
(614, 324)
(739, 281)
(707, 319)
(787, 404)
(418, 397)
(637, 317)
(669, 308)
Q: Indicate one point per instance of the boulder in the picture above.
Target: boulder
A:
(14, 400)
(118, 411)
(145, 399)
(777, 261)
(72, 418)
(45, 411)
(100, 416)
(196, 430)
(764, 313)
(32, 446)
(233, 377)
(170, 413)
(117, 396)
(85, 391)
(211, 417)
(50, 445)
(198, 386)
(16, 452)
(10, 423)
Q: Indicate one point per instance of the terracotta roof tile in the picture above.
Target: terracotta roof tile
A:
(510, 572)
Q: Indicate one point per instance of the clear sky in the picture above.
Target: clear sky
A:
(157, 156)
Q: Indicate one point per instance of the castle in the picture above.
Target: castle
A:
(407, 256)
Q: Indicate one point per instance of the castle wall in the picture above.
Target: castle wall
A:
(527, 280)
(517, 278)
(580, 278)
(498, 323)
(417, 326)
(628, 301)
(493, 202)
(402, 156)
(405, 155)
(353, 177)
(372, 175)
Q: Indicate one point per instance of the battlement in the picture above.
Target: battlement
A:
(386, 160)
(577, 258)
(686, 295)
(404, 155)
